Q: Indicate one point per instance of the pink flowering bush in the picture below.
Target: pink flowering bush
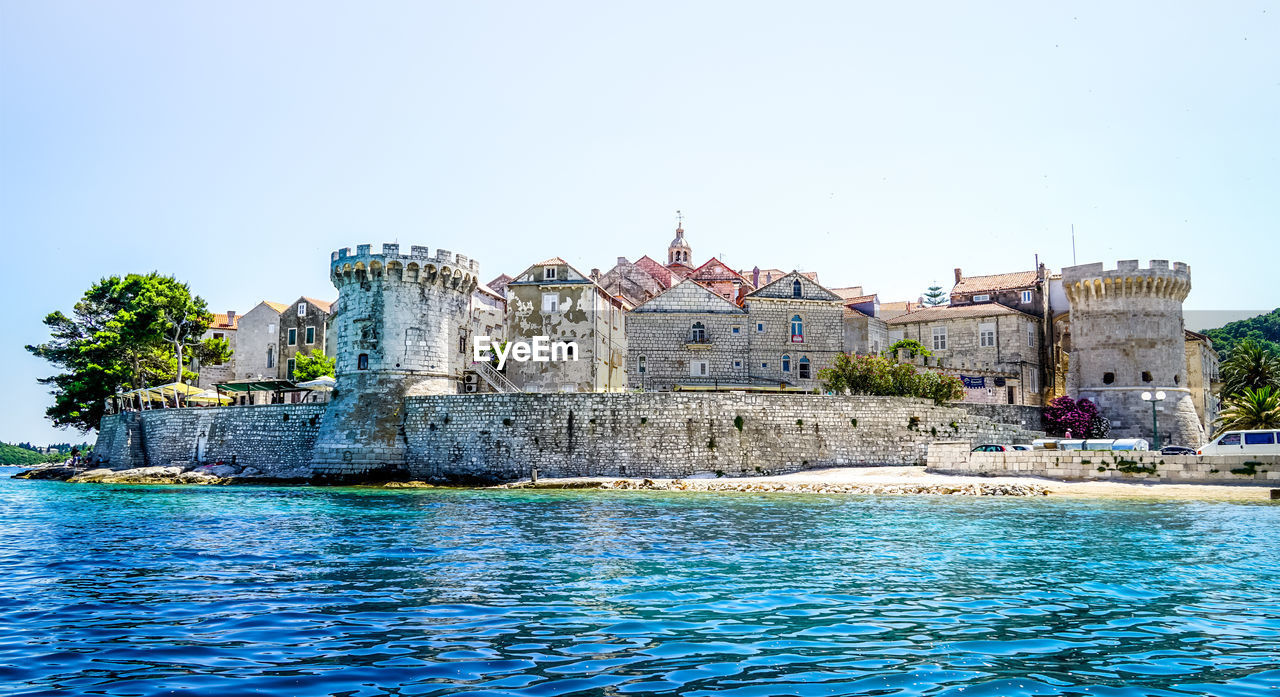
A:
(1080, 418)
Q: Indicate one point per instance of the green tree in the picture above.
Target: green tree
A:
(118, 336)
(1251, 409)
(309, 366)
(1251, 366)
(877, 375)
(912, 347)
(935, 296)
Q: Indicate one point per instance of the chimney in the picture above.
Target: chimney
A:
(595, 274)
(958, 275)
(231, 317)
(755, 277)
(622, 260)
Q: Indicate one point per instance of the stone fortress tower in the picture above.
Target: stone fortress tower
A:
(399, 324)
(1128, 338)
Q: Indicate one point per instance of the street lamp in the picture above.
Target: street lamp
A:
(1155, 426)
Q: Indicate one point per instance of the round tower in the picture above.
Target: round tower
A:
(398, 323)
(1127, 338)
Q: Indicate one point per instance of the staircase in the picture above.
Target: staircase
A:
(496, 380)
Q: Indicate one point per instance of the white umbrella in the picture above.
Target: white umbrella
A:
(208, 396)
(322, 383)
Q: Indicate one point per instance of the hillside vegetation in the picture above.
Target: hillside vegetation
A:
(13, 455)
(1263, 329)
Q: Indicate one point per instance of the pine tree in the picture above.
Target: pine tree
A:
(935, 296)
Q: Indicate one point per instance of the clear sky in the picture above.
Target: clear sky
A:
(235, 144)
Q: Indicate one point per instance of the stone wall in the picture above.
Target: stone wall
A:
(502, 436)
(277, 439)
(1077, 465)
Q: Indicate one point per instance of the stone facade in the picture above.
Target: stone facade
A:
(998, 344)
(1077, 465)
(783, 351)
(399, 332)
(688, 336)
(303, 326)
(676, 434)
(1202, 378)
(864, 334)
(223, 327)
(555, 300)
(258, 342)
(1127, 338)
(632, 282)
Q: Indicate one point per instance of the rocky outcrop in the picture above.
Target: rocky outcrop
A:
(173, 474)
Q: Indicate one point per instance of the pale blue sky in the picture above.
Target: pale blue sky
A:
(883, 144)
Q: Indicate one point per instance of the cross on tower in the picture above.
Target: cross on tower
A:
(679, 219)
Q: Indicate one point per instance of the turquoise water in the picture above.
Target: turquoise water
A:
(239, 590)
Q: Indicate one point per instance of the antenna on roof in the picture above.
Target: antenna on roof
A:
(1073, 244)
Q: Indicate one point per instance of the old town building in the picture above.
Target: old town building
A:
(223, 327)
(796, 328)
(555, 300)
(633, 282)
(687, 337)
(302, 330)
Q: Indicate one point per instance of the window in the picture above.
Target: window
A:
(550, 303)
(1230, 439)
(1033, 380)
(764, 365)
(217, 336)
(1146, 376)
(797, 290)
(737, 330)
(737, 364)
(293, 336)
(362, 361)
(271, 328)
(939, 338)
(1108, 378)
(289, 369)
(698, 369)
(549, 273)
(986, 335)
(311, 335)
(981, 298)
(698, 333)
(804, 368)
(786, 364)
(302, 309)
(1259, 439)
(797, 330)
(641, 362)
(759, 327)
(271, 356)
(1026, 297)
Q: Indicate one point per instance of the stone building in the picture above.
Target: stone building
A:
(796, 328)
(222, 327)
(687, 337)
(488, 313)
(1024, 291)
(1128, 338)
(499, 284)
(865, 331)
(1202, 378)
(555, 300)
(398, 332)
(302, 330)
(258, 341)
(722, 280)
(994, 348)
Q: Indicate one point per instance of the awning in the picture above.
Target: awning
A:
(209, 396)
(259, 386)
(323, 383)
(163, 391)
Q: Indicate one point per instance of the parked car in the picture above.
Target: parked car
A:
(1020, 446)
(1243, 443)
(992, 448)
(1177, 450)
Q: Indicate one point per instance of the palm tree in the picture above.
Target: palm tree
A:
(1251, 409)
(1251, 366)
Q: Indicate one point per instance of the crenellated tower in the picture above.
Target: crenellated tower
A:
(1128, 338)
(398, 323)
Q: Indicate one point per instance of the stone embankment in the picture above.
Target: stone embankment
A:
(748, 486)
(173, 474)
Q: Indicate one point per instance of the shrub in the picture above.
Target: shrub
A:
(877, 375)
(1080, 418)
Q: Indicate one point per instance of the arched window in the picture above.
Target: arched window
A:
(641, 365)
(698, 333)
(786, 363)
(362, 362)
(804, 368)
(797, 330)
(797, 290)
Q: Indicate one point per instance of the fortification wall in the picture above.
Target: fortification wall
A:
(502, 436)
(1150, 466)
(277, 439)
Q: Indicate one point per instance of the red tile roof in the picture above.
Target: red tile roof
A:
(1000, 281)
(553, 261)
(220, 321)
(715, 270)
(325, 305)
(278, 307)
(660, 273)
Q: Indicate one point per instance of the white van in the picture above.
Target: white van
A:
(1243, 443)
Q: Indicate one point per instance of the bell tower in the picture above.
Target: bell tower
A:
(679, 252)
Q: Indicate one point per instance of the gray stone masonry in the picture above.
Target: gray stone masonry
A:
(661, 333)
(1086, 465)
(675, 434)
